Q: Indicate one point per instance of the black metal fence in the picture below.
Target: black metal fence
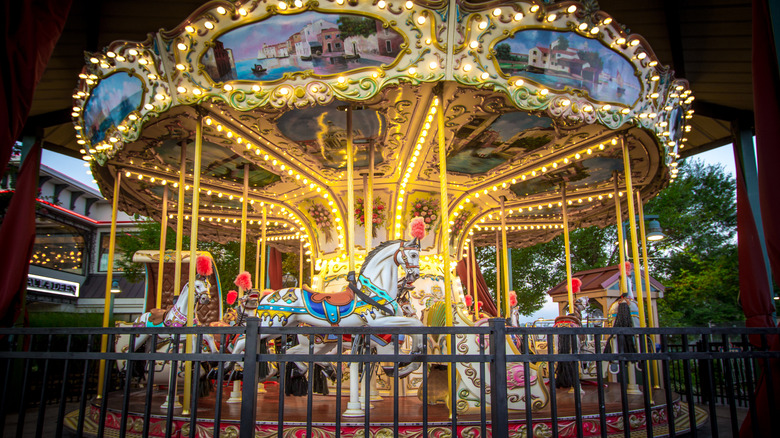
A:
(694, 377)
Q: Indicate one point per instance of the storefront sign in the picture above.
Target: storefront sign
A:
(52, 285)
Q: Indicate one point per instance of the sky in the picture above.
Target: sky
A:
(75, 168)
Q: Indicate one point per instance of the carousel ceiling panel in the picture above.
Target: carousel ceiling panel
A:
(533, 98)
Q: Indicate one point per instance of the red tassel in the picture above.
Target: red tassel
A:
(469, 300)
(628, 267)
(512, 298)
(232, 296)
(203, 266)
(576, 284)
(244, 280)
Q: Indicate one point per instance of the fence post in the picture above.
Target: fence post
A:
(498, 401)
(249, 390)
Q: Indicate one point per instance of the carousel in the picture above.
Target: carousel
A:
(382, 141)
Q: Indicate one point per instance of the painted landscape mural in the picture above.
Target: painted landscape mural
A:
(579, 174)
(324, 43)
(482, 144)
(558, 60)
(111, 101)
(322, 132)
(219, 162)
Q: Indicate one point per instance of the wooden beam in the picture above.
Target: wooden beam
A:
(722, 112)
(672, 13)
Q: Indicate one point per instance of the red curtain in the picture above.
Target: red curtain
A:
(32, 29)
(275, 269)
(17, 235)
(464, 272)
(755, 297)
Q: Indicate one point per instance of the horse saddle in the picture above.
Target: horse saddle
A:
(341, 298)
(329, 306)
(157, 316)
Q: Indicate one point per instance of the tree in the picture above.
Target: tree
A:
(503, 52)
(355, 26)
(561, 43)
(697, 260)
(148, 237)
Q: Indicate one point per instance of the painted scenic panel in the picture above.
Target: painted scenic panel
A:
(582, 173)
(322, 132)
(111, 101)
(324, 43)
(558, 60)
(218, 162)
(483, 144)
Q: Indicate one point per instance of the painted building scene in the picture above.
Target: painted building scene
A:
(559, 60)
(324, 43)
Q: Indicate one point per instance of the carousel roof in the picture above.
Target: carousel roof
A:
(534, 95)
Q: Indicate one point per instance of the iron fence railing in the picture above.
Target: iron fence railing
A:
(50, 381)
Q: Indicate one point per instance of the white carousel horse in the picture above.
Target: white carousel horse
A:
(370, 301)
(176, 316)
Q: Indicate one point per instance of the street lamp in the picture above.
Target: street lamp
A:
(115, 291)
(654, 231)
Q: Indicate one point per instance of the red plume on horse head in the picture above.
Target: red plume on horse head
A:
(576, 284)
(512, 298)
(244, 280)
(418, 228)
(232, 296)
(203, 266)
(469, 300)
(627, 267)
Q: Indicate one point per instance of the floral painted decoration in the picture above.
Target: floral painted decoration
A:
(322, 219)
(378, 214)
(458, 224)
(428, 209)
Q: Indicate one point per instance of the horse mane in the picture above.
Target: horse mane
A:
(376, 250)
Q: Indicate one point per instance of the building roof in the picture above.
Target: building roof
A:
(95, 287)
(597, 279)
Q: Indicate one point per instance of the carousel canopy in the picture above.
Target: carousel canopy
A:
(535, 97)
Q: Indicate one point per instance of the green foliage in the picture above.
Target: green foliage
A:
(561, 43)
(704, 294)
(355, 26)
(503, 52)
(697, 261)
(148, 237)
(591, 58)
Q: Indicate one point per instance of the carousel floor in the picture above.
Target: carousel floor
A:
(382, 415)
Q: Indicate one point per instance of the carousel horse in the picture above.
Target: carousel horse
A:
(566, 373)
(368, 300)
(175, 316)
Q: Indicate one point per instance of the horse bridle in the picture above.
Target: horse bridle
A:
(401, 251)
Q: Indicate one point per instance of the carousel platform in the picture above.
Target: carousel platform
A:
(409, 414)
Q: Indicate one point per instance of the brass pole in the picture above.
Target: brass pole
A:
(193, 261)
(261, 284)
(350, 228)
(499, 308)
(505, 258)
(474, 294)
(567, 247)
(180, 221)
(300, 264)
(369, 205)
(242, 244)
(109, 279)
(632, 224)
(163, 235)
(444, 214)
(367, 215)
(650, 318)
(621, 242)
(257, 261)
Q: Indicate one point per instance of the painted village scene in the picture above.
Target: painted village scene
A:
(325, 43)
(559, 60)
